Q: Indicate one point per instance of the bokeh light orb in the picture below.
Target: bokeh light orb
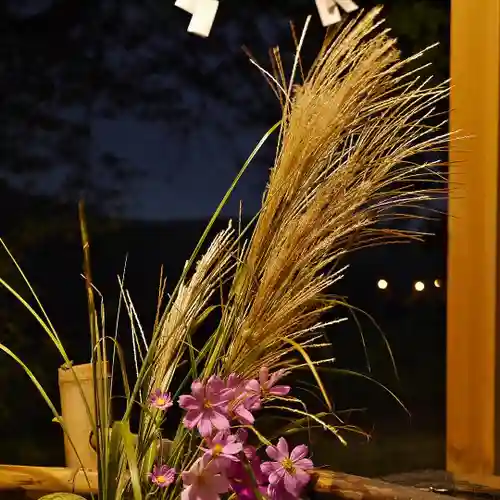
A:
(419, 286)
(382, 284)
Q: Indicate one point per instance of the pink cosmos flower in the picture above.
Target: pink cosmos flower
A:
(245, 492)
(241, 481)
(206, 406)
(234, 381)
(224, 449)
(241, 401)
(250, 451)
(241, 435)
(287, 469)
(278, 492)
(266, 385)
(160, 400)
(162, 475)
(203, 481)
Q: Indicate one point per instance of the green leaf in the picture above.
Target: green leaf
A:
(130, 452)
(115, 462)
(62, 496)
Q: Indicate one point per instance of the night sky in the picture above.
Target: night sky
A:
(180, 174)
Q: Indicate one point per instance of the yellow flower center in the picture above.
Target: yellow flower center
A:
(217, 450)
(161, 479)
(287, 464)
(207, 405)
(160, 401)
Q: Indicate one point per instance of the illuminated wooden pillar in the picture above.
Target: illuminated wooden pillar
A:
(473, 358)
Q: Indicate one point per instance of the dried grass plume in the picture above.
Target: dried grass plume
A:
(348, 135)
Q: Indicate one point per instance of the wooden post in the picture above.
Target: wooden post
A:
(473, 352)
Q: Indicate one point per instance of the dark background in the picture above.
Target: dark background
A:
(112, 101)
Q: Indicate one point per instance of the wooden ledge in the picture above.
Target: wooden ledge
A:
(344, 486)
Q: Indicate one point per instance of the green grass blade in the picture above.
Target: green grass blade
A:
(311, 366)
(32, 290)
(312, 416)
(130, 452)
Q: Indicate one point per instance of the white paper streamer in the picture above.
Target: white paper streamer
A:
(203, 13)
(329, 11)
(203, 17)
(347, 5)
(187, 5)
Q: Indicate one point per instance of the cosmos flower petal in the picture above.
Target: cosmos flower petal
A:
(205, 494)
(232, 448)
(219, 438)
(188, 402)
(253, 402)
(282, 447)
(186, 493)
(263, 375)
(220, 405)
(227, 394)
(205, 485)
(231, 438)
(198, 390)
(280, 390)
(192, 418)
(268, 468)
(302, 477)
(233, 381)
(290, 483)
(244, 416)
(276, 476)
(273, 453)
(299, 452)
(204, 426)
(215, 386)
(219, 421)
(219, 483)
(304, 463)
(253, 386)
(187, 478)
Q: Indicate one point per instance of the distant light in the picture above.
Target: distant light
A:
(382, 284)
(419, 286)
(437, 283)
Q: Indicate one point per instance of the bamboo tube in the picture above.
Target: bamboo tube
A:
(75, 415)
(47, 479)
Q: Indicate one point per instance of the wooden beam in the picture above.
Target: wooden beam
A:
(473, 402)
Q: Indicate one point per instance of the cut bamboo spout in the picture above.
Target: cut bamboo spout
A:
(75, 415)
